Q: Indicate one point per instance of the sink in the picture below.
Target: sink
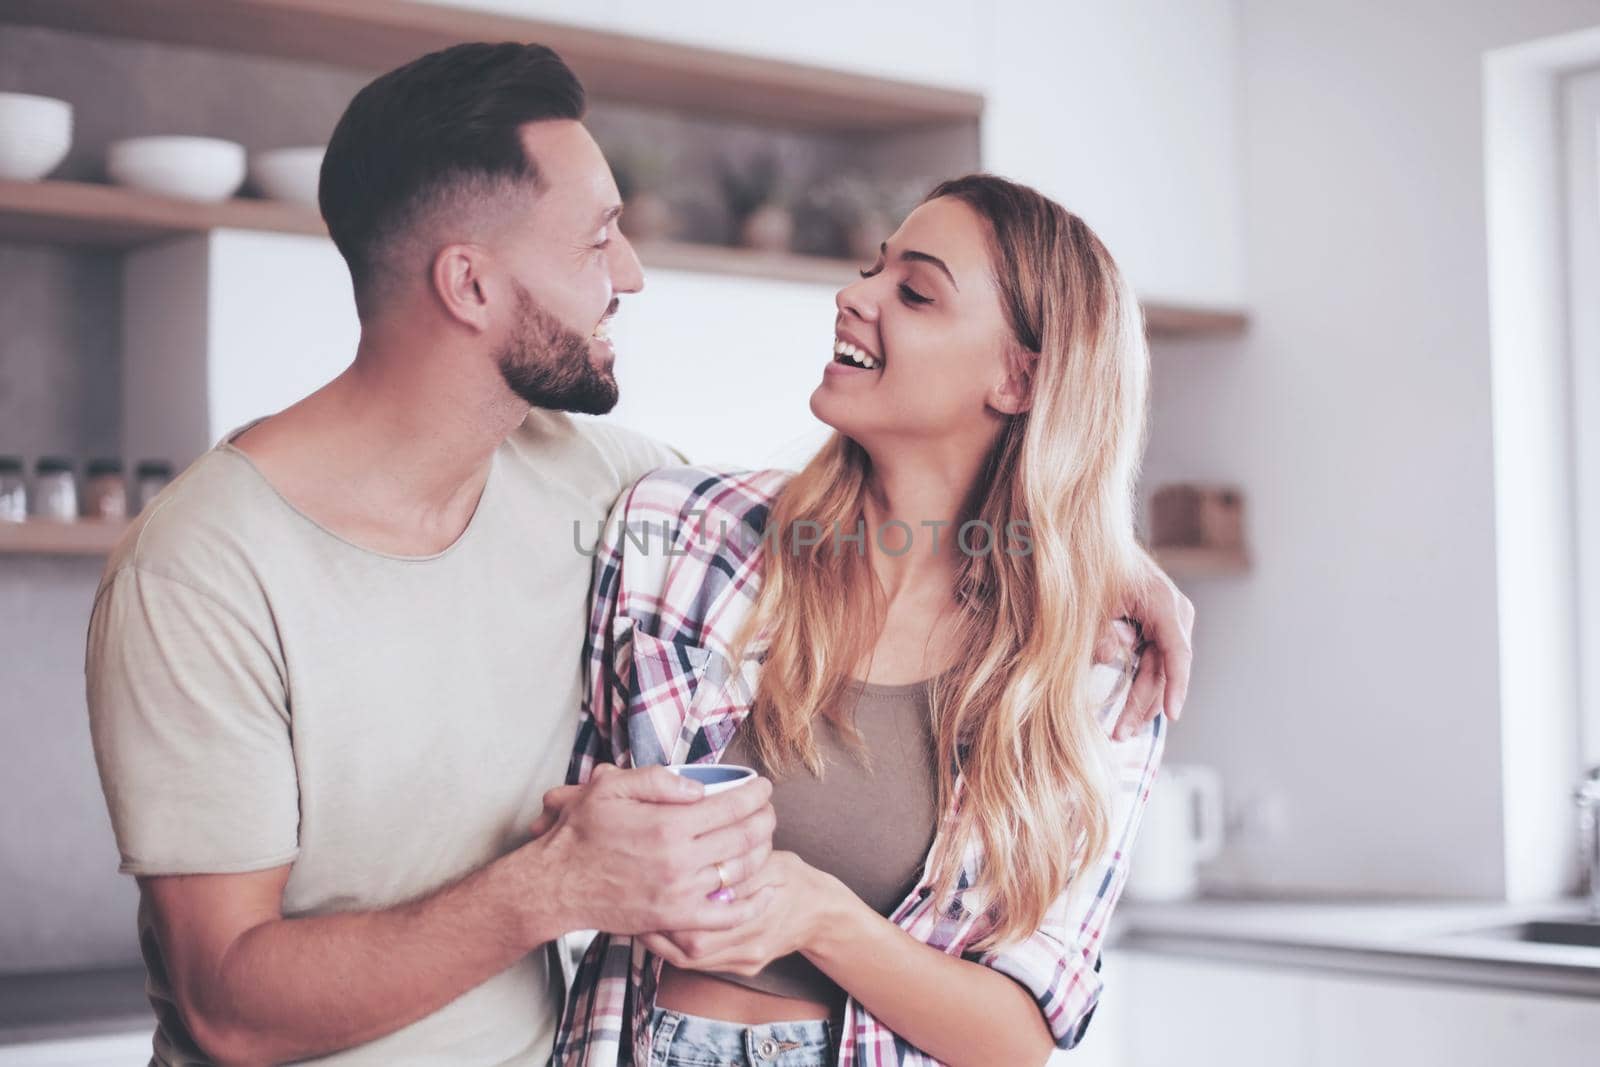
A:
(1578, 933)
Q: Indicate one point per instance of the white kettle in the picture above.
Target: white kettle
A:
(1182, 828)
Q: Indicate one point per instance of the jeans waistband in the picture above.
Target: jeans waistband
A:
(679, 1040)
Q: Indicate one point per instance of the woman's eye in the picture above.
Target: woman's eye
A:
(872, 272)
(911, 296)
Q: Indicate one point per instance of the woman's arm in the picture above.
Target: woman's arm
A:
(953, 1007)
(957, 1011)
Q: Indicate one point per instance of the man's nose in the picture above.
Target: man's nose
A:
(627, 273)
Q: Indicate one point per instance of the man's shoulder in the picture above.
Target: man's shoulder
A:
(586, 449)
(203, 524)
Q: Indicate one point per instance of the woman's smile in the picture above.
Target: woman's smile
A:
(852, 358)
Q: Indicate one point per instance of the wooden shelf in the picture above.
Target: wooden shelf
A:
(82, 213)
(1180, 321)
(90, 537)
(110, 216)
(1202, 562)
(380, 34)
(716, 259)
(86, 537)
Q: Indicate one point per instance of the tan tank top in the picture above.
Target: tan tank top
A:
(869, 827)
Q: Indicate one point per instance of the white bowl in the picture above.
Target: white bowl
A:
(288, 174)
(35, 133)
(190, 168)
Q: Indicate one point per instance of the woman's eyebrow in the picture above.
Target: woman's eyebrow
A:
(923, 257)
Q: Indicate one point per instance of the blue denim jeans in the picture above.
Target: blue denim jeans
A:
(679, 1040)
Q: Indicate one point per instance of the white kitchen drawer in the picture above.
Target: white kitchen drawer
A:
(103, 1050)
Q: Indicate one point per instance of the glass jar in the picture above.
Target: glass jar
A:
(105, 493)
(13, 490)
(55, 490)
(149, 478)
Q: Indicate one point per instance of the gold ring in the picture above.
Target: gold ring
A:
(722, 877)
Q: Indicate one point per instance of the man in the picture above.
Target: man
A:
(333, 670)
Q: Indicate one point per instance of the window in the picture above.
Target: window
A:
(1582, 132)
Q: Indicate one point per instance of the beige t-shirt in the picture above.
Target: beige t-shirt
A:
(263, 692)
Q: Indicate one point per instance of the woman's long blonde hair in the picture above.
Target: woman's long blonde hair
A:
(1014, 719)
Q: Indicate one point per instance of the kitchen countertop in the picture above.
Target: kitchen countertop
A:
(1432, 941)
(60, 1004)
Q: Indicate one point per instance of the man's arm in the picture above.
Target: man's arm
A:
(1165, 649)
(631, 851)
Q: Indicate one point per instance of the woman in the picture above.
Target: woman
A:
(901, 636)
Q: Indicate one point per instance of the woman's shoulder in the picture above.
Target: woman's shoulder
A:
(704, 497)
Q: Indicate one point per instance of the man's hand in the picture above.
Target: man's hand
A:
(1166, 654)
(639, 850)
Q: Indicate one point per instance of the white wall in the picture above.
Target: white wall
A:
(1536, 480)
(1354, 674)
(722, 368)
(283, 323)
(1127, 113)
(223, 328)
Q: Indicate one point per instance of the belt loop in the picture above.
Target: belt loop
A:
(661, 1036)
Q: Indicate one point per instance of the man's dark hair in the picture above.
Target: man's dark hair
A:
(438, 127)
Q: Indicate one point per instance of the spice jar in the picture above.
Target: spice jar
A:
(55, 490)
(105, 493)
(149, 478)
(13, 490)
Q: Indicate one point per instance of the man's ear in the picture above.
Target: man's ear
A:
(461, 283)
(1014, 393)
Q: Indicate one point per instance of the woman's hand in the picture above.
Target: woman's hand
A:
(1166, 617)
(801, 899)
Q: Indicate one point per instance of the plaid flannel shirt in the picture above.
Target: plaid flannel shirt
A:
(676, 572)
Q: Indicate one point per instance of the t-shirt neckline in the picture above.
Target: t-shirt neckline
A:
(227, 446)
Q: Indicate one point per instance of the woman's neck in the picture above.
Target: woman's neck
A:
(928, 495)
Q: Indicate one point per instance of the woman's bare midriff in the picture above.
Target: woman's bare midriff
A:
(709, 997)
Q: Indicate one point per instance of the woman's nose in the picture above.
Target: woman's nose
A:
(857, 299)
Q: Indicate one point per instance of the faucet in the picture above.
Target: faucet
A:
(1587, 796)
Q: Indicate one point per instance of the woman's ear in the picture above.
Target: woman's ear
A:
(1014, 393)
(461, 284)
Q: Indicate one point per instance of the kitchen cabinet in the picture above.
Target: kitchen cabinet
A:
(1128, 115)
(1174, 1011)
(936, 42)
(102, 1050)
(831, 33)
(612, 51)
(1375, 1023)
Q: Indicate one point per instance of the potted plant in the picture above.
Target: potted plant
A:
(864, 211)
(641, 175)
(757, 198)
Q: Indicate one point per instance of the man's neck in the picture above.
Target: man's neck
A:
(394, 453)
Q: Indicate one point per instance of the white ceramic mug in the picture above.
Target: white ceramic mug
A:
(1182, 828)
(716, 777)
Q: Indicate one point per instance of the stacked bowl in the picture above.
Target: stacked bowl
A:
(35, 133)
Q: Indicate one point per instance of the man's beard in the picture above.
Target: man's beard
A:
(548, 365)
